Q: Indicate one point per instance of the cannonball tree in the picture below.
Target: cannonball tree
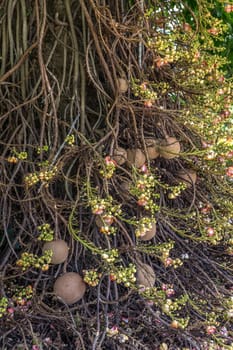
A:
(117, 139)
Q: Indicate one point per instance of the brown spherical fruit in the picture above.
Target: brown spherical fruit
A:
(125, 190)
(59, 249)
(122, 85)
(120, 155)
(69, 287)
(125, 186)
(189, 177)
(145, 276)
(153, 152)
(136, 157)
(151, 142)
(169, 148)
(149, 234)
(152, 148)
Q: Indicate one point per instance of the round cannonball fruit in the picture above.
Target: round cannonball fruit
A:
(122, 85)
(136, 157)
(59, 249)
(69, 287)
(145, 276)
(125, 189)
(188, 176)
(152, 148)
(149, 234)
(125, 186)
(169, 148)
(120, 155)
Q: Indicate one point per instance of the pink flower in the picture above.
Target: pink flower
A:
(221, 92)
(229, 171)
(170, 292)
(143, 86)
(110, 161)
(112, 277)
(48, 340)
(210, 329)
(226, 113)
(221, 79)
(144, 169)
(160, 62)
(125, 319)
(187, 27)
(35, 347)
(224, 332)
(142, 201)
(228, 8)
(206, 209)
(210, 232)
(113, 331)
(213, 31)
(168, 262)
(108, 219)
(148, 103)
(11, 311)
(98, 210)
(142, 288)
(168, 288)
(205, 144)
(197, 55)
(141, 186)
(229, 154)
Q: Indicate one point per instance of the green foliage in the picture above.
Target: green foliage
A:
(217, 9)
